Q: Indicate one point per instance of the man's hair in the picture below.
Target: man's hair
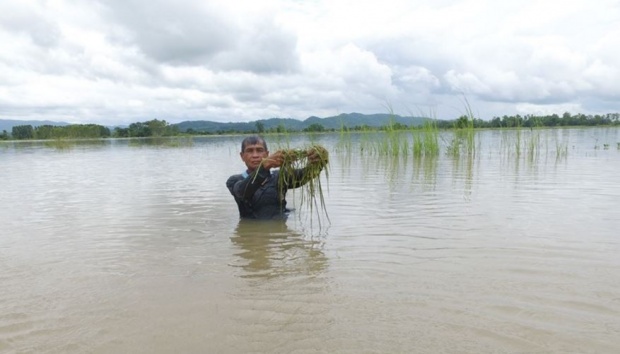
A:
(253, 140)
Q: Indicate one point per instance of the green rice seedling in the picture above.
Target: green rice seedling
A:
(453, 148)
(393, 141)
(505, 143)
(311, 191)
(404, 147)
(463, 142)
(390, 142)
(465, 135)
(561, 150)
(366, 142)
(425, 141)
(470, 139)
(533, 147)
(430, 134)
(518, 143)
(344, 141)
(417, 143)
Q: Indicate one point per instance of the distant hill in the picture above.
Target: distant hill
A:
(348, 120)
(8, 124)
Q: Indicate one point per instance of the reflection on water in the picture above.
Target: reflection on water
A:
(171, 142)
(282, 307)
(270, 249)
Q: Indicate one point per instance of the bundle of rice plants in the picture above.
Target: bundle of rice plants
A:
(302, 167)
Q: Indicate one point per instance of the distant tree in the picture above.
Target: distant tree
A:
(398, 126)
(315, 127)
(553, 120)
(139, 130)
(22, 132)
(157, 127)
(4, 135)
(73, 131)
(152, 128)
(44, 132)
(121, 132)
(260, 127)
(462, 122)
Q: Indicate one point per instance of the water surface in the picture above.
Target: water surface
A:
(127, 246)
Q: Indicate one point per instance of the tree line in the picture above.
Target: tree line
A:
(532, 121)
(152, 128)
(464, 121)
(161, 128)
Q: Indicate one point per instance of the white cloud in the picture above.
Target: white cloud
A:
(114, 61)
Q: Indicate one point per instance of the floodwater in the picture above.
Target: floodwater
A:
(129, 247)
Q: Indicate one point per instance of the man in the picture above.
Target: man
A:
(259, 192)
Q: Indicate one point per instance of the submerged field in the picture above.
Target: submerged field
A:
(477, 241)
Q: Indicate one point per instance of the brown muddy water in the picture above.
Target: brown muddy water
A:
(136, 247)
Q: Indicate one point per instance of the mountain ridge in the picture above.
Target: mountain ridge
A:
(348, 120)
(8, 124)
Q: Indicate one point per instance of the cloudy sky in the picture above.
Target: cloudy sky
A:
(123, 61)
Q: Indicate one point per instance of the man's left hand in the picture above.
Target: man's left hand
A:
(318, 154)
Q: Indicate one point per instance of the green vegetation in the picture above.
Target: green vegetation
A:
(464, 139)
(426, 140)
(311, 193)
(311, 190)
(424, 130)
(46, 132)
(152, 128)
(22, 132)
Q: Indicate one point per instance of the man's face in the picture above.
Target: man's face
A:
(253, 155)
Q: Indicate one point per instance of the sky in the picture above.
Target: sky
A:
(116, 62)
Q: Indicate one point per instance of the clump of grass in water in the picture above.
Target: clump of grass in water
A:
(561, 150)
(311, 191)
(392, 143)
(426, 139)
(179, 142)
(464, 134)
(533, 146)
(464, 139)
(60, 144)
(344, 144)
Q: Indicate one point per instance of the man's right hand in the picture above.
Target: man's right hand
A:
(274, 160)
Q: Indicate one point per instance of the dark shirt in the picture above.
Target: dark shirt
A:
(259, 195)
